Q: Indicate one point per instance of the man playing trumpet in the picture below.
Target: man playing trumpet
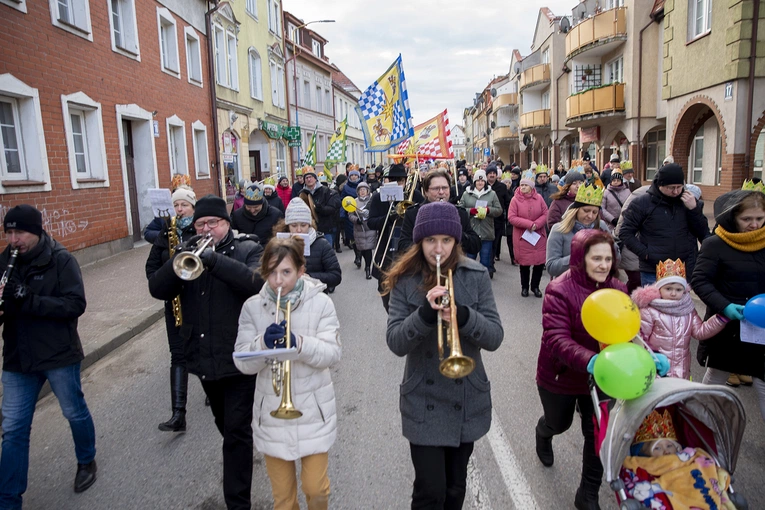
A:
(212, 296)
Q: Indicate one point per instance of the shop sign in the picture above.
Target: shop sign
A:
(590, 134)
(292, 135)
(272, 130)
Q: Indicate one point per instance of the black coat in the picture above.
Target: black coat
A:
(261, 224)
(503, 194)
(322, 263)
(656, 227)
(211, 304)
(471, 242)
(276, 202)
(326, 204)
(40, 331)
(160, 250)
(725, 275)
(455, 194)
(378, 211)
(296, 188)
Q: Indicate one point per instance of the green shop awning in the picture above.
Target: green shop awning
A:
(272, 129)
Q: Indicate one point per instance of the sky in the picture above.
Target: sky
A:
(451, 49)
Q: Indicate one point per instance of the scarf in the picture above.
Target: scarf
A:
(311, 236)
(479, 194)
(744, 241)
(292, 296)
(182, 223)
(581, 226)
(684, 306)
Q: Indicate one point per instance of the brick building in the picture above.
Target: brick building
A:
(99, 102)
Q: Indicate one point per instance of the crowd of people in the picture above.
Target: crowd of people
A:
(231, 276)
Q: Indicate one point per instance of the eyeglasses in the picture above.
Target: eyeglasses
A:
(438, 189)
(199, 225)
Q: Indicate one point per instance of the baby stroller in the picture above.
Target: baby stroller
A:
(707, 417)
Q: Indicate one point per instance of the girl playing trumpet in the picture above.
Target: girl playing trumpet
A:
(314, 331)
(442, 417)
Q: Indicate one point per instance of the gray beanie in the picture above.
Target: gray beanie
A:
(297, 212)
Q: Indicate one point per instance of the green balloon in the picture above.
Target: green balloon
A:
(624, 371)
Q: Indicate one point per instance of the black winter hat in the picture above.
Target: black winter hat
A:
(211, 205)
(397, 171)
(670, 174)
(24, 217)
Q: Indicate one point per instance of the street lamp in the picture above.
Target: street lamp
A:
(295, 48)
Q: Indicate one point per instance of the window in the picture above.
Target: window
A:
(612, 4)
(319, 107)
(546, 56)
(72, 16)
(85, 141)
(226, 65)
(23, 153)
(697, 156)
(199, 142)
(277, 84)
(294, 34)
(124, 28)
(176, 146)
(193, 56)
(233, 67)
(546, 100)
(585, 77)
(307, 94)
(220, 55)
(316, 48)
(281, 158)
(320, 150)
(655, 152)
(273, 17)
(328, 101)
(252, 8)
(256, 75)
(168, 42)
(700, 18)
(759, 155)
(719, 159)
(615, 70)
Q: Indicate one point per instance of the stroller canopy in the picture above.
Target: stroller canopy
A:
(716, 407)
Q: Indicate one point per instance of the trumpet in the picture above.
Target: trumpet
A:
(400, 208)
(187, 265)
(281, 371)
(457, 364)
(8, 270)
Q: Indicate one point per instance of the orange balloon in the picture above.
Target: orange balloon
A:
(610, 316)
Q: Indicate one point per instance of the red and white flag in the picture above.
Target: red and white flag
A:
(433, 139)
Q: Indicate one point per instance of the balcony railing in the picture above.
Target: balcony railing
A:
(537, 118)
(608, 99)
(535, 74)
(601, 27)
(507, 99)
(504, 132)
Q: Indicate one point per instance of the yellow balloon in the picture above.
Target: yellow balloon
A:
(349, 204)
(610, 316)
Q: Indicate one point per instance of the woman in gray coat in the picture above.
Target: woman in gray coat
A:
(365, 237)
(441, 417)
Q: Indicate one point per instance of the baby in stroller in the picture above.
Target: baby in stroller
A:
(663, 475)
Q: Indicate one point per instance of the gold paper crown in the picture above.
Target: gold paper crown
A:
(656, 426)
(751, 186)
(590, 195)
(179, 180)
(670, 268)
(542, 169)
(625, 165)
(269, 180)
(507, 175)
(528, 174)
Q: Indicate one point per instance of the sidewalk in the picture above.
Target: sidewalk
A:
(119, 304)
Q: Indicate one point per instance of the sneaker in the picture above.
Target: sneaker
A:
(733, 380)
(746, 380)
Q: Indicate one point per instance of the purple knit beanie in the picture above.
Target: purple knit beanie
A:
(437, 218)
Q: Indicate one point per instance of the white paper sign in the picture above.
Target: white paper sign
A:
(531, 237)
(306, 240)
(161, 203)
(481, 203)
(751, 333)
(277, 354)
(391, 192)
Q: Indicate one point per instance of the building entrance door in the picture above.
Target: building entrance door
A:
(127, 137)
(255, 165)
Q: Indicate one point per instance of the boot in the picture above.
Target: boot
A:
(85, 477)
(179, 381)
(368, 272)
(357, 260)
(544, 447)
(583, 501)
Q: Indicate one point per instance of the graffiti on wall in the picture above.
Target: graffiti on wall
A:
(59, 223)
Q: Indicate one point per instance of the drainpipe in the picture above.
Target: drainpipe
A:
(750, 98)
(554, 164)
(640, 93)
(213, 98)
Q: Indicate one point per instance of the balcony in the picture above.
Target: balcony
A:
(608, 99)
(597, 35)
(505, 134)
(503, 100)
(535, 77)
(535, 119)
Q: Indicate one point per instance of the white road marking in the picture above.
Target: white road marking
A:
(516, 484)
(479, 494)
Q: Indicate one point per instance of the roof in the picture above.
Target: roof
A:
(547, 12)
(658, 7)
(517, 55)
(339, 79)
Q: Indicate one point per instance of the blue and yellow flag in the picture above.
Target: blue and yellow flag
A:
(310, 155)
(383, 109)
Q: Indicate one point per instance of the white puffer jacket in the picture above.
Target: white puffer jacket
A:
(314, 321)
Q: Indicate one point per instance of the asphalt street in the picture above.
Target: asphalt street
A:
(143, 468)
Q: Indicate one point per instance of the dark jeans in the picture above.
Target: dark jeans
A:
(231, 400)
(647, 278)
(536, 276)
(174, 341)
(440, 476)
(499, 231)
(559, 414)
(486, 255)
(509, 237)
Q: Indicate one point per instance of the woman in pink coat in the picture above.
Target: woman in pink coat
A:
(528, 212)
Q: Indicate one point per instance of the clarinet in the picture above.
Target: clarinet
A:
(8, 270)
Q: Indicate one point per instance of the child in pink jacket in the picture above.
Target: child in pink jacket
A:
(669, 318)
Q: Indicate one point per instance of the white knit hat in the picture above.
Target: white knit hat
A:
(184, 193)
(297, 212)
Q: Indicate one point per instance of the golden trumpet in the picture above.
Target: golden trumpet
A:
(281, 371)
(457, 364)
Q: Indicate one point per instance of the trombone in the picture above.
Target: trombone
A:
(281, 371)
(400, 208)
(187, 265)
(457, 364)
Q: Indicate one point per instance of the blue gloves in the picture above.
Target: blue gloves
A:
(274, 336)
(734, 312)
(591, 365)
(662, 363)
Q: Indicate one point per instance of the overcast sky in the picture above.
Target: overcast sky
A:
(450, 48)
